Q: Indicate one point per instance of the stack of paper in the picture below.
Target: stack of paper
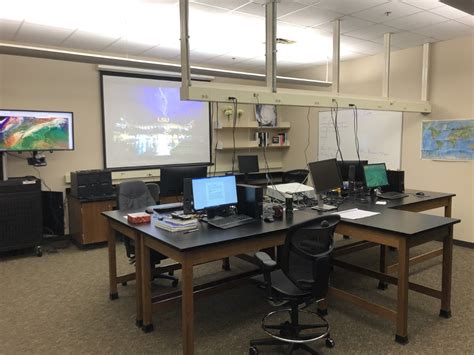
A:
(355, 213)
(176, 225)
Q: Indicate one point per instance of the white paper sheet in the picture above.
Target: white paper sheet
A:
(355, 213)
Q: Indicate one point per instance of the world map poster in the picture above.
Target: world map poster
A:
(448, 139)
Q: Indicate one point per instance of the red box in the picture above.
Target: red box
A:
(138, 218)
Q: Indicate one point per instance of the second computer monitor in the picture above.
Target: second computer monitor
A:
(213, 192)
(346, 166)
(326, 175)
(248, 163)
(375, 175)
(171, 178)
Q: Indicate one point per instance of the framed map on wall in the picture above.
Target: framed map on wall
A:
(447, 139)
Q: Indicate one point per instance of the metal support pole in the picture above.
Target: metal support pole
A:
(270, 44)
(336, 54)
(425, 71)
(386, 74)
(184, 28)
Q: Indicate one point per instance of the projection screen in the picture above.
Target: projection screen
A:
(145, 124)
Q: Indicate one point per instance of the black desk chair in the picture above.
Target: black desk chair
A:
(302, 280)
(298, 175)
(134, 195)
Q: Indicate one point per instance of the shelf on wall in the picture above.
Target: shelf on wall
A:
(254, 125)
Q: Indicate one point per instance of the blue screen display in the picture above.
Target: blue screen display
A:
(214, 191)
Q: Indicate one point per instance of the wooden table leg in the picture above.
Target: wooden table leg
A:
(111, 243)
(383, 266)
(448, 208)
(146, 287)
(446, 275)
(138, 278)
(402, 297)
(187, 305)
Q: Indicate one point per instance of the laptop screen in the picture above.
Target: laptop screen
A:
(214, 192)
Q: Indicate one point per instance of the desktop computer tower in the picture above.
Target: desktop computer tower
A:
(250, 200)
(91, 184)
(396, 180)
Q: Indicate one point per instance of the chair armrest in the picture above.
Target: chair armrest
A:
(265, 261)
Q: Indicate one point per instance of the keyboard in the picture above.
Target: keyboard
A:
(230, 221)
(392, 195)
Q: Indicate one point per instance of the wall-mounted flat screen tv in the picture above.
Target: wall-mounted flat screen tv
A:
(146, 124)
(22, 130)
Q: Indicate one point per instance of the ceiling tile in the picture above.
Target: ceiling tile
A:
(349, 6)
(446, 30)
(283, 8)
(420, 19)
(408, 39)
(88, 41)
(8, 29)
(449, 12)
(378, 13)
(311, 16)
(47, 35)
(468, 20)
(227, 4)
(160, 52)
(348, 23)
(123, 46)
(424, 4)
(372, 32)
(360, 45)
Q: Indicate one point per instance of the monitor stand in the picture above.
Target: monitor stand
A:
(322, 207)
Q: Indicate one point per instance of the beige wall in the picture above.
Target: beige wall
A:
(451, 95)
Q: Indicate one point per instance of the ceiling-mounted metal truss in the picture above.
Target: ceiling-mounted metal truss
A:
(270, 94)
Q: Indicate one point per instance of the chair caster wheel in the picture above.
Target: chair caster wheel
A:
(174, 283)
(39, 251)
(124, 283)
(330, 343)
(253, 350)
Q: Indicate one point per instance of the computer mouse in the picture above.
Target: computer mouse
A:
(269, 219)
(420, 193)
(149, 210)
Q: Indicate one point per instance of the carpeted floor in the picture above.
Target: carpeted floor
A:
(59, 304)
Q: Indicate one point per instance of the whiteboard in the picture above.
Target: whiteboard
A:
(380, 136)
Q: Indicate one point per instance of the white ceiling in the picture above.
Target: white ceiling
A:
(230, 33)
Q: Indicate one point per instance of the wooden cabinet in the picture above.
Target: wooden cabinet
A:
(86, 224)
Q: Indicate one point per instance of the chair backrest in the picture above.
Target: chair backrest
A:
(298, 175)
(305, 255)
(154, 191)
(133, 195)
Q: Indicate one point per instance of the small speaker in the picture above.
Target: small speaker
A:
(250, 200)
(396, 180)
(188, 205)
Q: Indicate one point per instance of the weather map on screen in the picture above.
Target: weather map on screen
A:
(147, 124)
(34, 130)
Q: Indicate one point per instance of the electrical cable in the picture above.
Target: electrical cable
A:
(334, 114)
(234, 123)
(216, 112)
(356, 131)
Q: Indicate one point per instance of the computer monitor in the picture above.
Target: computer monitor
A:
(171, 178)
(248, 163)
(375, 175)
(326, 176)
(345, 166)
(214, 192)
